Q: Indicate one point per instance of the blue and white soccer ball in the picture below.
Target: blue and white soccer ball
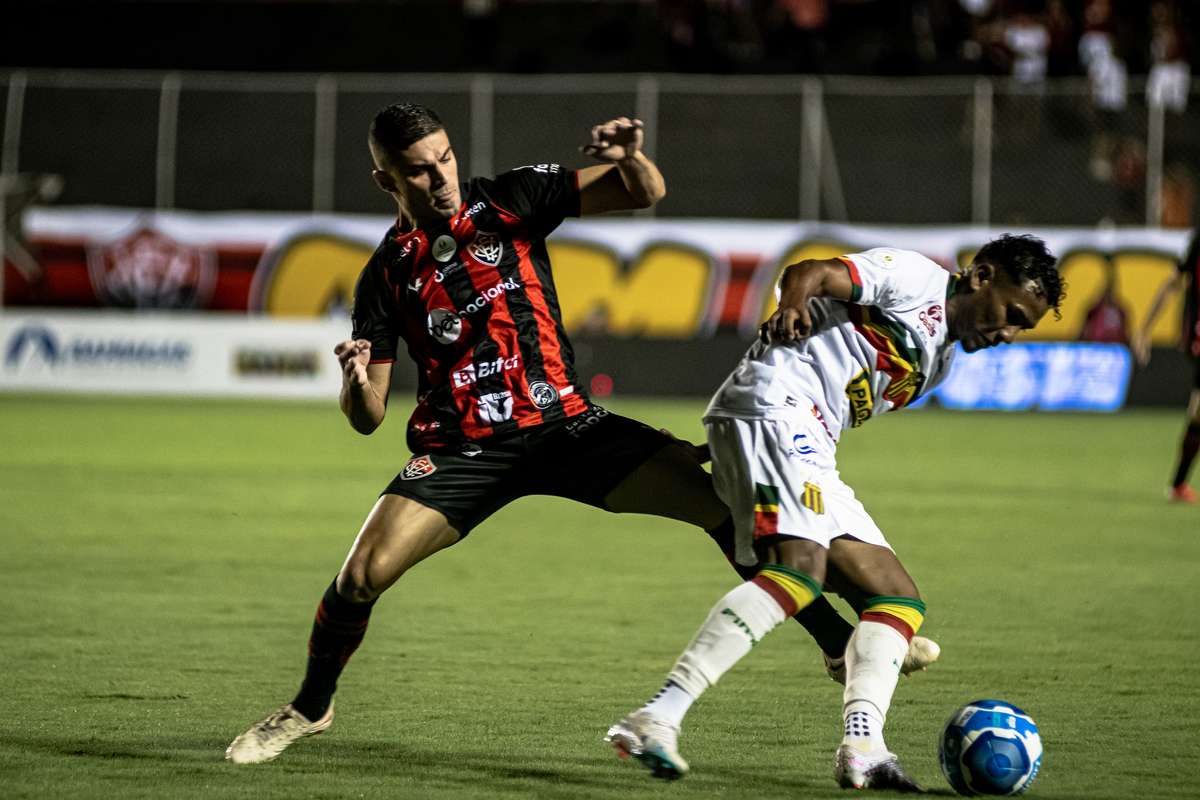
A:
(990, 747)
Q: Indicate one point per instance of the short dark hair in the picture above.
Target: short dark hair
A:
(398, 125)
(1026, 258)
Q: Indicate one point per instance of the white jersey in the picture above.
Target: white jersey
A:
(878, 352)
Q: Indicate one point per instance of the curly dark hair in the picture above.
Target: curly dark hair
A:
(398, 125)
(1025, 258)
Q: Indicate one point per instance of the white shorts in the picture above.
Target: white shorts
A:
(779, 478)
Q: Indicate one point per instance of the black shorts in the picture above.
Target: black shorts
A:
(582, 458)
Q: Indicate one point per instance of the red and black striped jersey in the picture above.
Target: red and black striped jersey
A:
(1190, 265)
(473, 300)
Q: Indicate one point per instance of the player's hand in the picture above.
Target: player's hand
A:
(615, 140)
(1141, 348)
(788, 324)
(700, 452)
(353, 355)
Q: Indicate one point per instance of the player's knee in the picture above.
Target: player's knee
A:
(803, 556)
(354, 582)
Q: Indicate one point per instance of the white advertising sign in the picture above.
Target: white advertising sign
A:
(179, 354)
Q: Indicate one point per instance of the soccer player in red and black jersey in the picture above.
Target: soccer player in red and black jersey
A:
(464, 281)
(1186, 280)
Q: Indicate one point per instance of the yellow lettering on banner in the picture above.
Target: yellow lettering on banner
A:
(664, 292)
(311, 274)
(803, 251)
(1138, 276)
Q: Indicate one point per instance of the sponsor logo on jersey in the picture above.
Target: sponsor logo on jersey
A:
(545, 169)
(581, 424)
(800, 446)
(444, 325)
(475, 209)
(472, 373)
(418, 467)
(858, 392)
(486, 248)
(444, 247)
(496, 407)
(930, 318)
(542, 394)
(485, 298)
(471, 450)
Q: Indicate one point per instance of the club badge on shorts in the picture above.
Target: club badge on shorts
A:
(418, 467)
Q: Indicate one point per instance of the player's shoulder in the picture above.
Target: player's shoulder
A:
(393, 249)
(890, 258)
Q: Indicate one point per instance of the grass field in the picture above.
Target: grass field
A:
(162, 559)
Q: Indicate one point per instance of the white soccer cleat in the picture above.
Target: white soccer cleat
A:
(877, 770)
(273, 734)
(652, 742)
(921, 653)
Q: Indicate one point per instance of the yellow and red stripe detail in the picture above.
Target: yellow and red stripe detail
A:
(904, 614)
(791, 589)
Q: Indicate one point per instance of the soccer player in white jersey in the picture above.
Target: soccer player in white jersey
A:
(853, 337)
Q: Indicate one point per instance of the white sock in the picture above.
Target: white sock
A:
(873, 658)
(670, 704)
(736, 623)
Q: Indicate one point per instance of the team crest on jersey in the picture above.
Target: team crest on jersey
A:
(418, 467)
(486, 248)
(444, 247)
(542, 394)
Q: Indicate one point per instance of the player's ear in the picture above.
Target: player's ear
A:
(982, 275)
(384, 181)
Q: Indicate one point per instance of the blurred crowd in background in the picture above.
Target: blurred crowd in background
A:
(1029, 39)
(1091, 97)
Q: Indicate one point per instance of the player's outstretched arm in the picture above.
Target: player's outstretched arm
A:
(364, 385)
(800, 283)
(1141, 338)
(628, 179)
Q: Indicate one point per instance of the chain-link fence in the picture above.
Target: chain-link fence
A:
(937, 150)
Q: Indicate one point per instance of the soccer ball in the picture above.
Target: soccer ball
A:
(990, 747)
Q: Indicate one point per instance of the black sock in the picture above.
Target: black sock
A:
(337, 631)
(1187, 453)
(830, 630)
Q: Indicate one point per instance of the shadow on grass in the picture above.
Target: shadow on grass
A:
(352, 759)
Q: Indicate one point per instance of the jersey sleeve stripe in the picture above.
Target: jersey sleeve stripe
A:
(855, 279)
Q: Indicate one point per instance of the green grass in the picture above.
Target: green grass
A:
(162, 559)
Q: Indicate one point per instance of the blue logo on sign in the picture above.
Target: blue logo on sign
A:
(39, 340)
(36, 336)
